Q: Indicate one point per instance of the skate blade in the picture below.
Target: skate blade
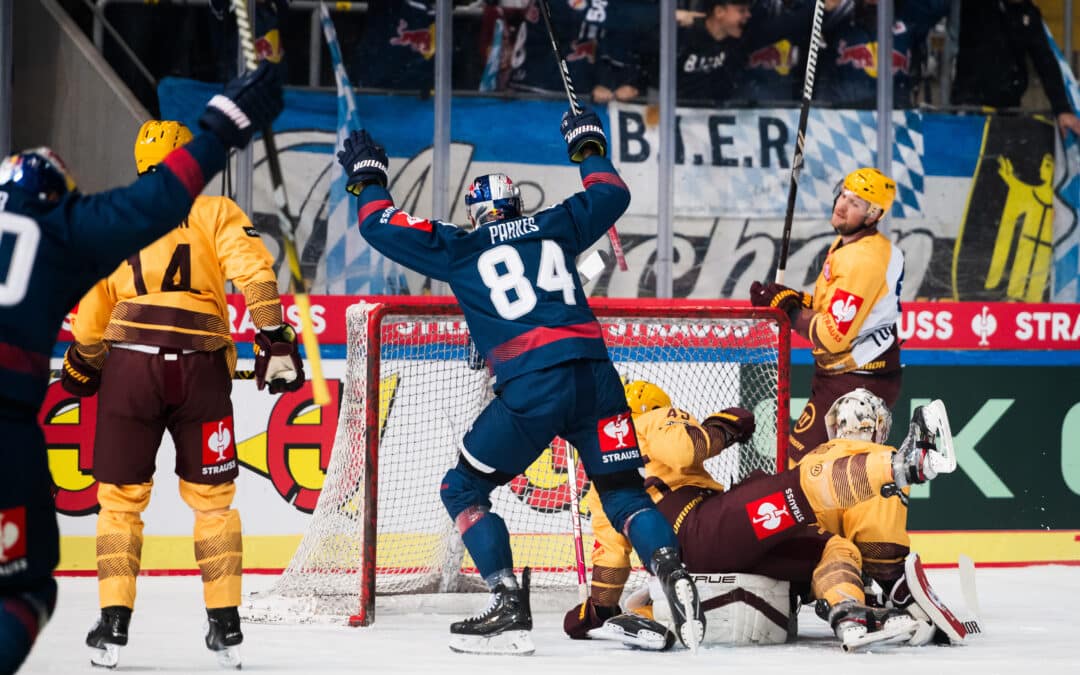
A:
(879, 638)
(229, 658)
(105, 658)
(511, 642)
(693, 629)
(649, 640)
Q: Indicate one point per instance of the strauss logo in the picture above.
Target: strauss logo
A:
(619, 429)
(769, 516)
(984, 324)
(844, 310)
(220, 441)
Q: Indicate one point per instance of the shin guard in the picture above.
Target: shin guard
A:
(119, 541)
(838, 576)
(218, 544)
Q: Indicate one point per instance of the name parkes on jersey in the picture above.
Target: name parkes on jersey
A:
(512, 229)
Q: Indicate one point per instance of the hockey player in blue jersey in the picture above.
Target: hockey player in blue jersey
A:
(58, 243)
(515, 279)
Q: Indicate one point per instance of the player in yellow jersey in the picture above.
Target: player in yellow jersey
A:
(851, 317)
(153, 341)
(799, 526)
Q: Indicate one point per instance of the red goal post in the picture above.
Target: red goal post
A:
(379, 526)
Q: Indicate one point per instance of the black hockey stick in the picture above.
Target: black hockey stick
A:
(321, 393)
(800, 139)
(575, 107)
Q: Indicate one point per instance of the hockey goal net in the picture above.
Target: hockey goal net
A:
(409, 396)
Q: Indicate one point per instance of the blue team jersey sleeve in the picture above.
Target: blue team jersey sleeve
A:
(417, 243)
(107, 227)
(595, 209)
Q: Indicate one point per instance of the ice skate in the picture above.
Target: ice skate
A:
(108, 635)
(502, 628)
(223, 636)
(682, 596)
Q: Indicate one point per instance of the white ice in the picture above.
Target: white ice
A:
(1029, 616)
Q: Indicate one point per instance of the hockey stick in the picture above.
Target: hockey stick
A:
(320, 392)
(575, 107)
(800, 139)
(575, 521)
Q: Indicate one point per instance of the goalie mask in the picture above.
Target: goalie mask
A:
(156, 139)
(38, 177)
(859, 415)
(644, 396)
(491, 198)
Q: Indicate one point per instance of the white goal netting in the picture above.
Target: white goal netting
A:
(408, 377)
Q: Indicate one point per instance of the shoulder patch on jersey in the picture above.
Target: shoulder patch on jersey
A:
(251, 231)
(844, 307)
(402, 219)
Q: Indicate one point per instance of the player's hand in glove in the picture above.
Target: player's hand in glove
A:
(580, 131)
(364, 161)
(586, 616)
(277, 361)
(249, 103)
(730, 425)
(789, 300)
(78, 377)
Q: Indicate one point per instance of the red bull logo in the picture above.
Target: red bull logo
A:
(779, 56)
(582, 50)
(420, 40)
(865, 57)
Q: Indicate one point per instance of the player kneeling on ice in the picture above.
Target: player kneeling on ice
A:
(515, 279)
(752, 547)
(152, 341)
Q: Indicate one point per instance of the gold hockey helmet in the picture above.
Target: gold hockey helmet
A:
(644, 396)
(873, 186)
(156, 139)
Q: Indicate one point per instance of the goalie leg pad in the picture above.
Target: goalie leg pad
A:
(929, 602)
(741, 609)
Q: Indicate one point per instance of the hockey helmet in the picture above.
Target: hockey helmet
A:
(859, 415)
(39, 173)
(156, 139)
(643, 396)
(490, 198)
(875, 187)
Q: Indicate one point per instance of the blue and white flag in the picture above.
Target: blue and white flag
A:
(352, 265)
(1066, 277)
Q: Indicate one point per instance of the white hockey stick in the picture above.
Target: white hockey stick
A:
(966, 569)
(575, 522)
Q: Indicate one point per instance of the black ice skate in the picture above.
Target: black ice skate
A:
(859, 626)
(223, 636)
(108, 635)
(682, 597)
(502, 628)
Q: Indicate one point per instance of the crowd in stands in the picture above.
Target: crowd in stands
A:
(729, 53)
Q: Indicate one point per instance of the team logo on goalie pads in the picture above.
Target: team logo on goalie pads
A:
(740, 609)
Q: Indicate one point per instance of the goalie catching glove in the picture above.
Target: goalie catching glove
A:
(364, 161)
(788, 300)
(729, 426)
(78, 377)
(277, 360)
(580, 131)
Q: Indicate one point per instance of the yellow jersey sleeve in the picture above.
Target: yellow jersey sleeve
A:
(246, 262)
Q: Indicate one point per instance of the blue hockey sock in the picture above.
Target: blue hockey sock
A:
(22, 616)
(649, 531)
(488, 542)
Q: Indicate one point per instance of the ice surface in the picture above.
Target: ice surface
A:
(1029, 619)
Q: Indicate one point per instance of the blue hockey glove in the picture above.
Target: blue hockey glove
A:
(364, 161)
(249, 103)
(580, 131)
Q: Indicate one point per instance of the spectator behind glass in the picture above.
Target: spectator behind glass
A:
(710, 58)
(996, 37)
(270, 17)
(849, 62)
(397, 47)
(578, 25)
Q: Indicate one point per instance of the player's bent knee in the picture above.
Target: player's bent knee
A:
(207, 498)
(22, 617)
(130, 498)
(463, 487)
(622, 503)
